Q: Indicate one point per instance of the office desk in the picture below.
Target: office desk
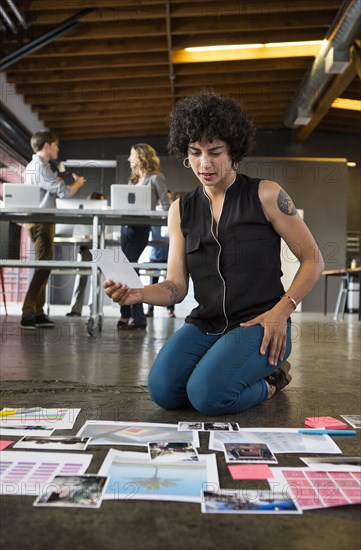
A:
(98, 219)
(345, 273)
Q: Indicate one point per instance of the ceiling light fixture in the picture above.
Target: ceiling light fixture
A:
(234, 52)
(224, 47)
(350, 104)
(296, 43)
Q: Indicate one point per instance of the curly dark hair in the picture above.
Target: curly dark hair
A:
(210, 116)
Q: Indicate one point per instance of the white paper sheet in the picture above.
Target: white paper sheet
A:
(233, 501)
(115, 266)
(279, 440)
(132, 476)
(134, 433)
(26, 430)
(353, 419)
(58, 419)
(26, 473)
(81, 491)
(333, 463)
(57, 443)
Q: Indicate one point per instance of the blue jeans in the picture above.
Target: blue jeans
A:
(133, 242)
(215, 374)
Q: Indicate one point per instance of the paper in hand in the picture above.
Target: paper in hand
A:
(115, 266)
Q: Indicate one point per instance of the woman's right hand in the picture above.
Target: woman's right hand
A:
(122, 294)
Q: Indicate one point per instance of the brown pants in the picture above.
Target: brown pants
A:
(42, 235)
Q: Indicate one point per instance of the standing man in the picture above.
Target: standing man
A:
(45, 145)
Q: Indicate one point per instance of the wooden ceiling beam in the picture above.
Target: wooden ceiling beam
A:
(352, 92)
(115, 135)
(339, 128)
(254, 22)
(112, 47)
(119, 124)
(120, 111)
(78, 62)
(144, 119)
(97, 97)
(94, 87)
(84, 108)
(138, 62)
(337, 86)
(91, 94)
(115, 13)
(89, 130)
(240, 78)
(193, 25)
(336, 114)
(115, 120)
(356, 58)
(249, 65)
(181, 8)
(262, 91)
(283, 35)
(142, 122)
(84, 133)
(38, 5)
(124, 133)
(110, 77)
(240, 9)
(104, 79)
(58, 76)
(63, 98)
(111, 30)
(100, 47)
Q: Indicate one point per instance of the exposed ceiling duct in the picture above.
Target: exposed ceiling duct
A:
(14, 134)
(43, 40)
(333, 57)
(17, 14)
(9, 23)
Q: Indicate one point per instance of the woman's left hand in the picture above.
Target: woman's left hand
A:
(275, 333)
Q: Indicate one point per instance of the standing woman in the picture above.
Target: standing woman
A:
(145, 170)
(231, 352)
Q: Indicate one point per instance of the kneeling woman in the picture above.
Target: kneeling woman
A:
(231, 352)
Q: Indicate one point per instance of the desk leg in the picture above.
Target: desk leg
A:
(325, 297)
(3, 289)
(95, 268)
(92, 326)
(100, 293)
(359, 296)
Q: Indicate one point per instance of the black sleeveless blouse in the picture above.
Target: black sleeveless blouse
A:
(236, 266)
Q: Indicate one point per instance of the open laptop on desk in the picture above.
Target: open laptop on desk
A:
(130, 197)
(82, 204)
(66, 230)
(21, 195)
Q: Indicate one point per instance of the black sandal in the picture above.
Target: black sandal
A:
(281, 377)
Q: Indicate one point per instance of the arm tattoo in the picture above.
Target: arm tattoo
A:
(285, 204)
(173, 290)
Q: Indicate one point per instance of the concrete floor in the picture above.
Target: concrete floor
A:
(106, 376)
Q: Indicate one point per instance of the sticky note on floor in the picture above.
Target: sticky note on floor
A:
(250, 471)
(4, 443)
(327, 422)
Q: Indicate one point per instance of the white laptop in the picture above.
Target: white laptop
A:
(21, 195)
(82, 204)
(130, 197)
(66, 230)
